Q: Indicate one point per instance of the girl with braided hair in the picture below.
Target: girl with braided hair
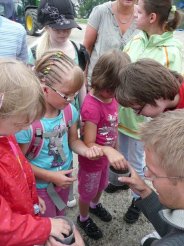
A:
(61, 80)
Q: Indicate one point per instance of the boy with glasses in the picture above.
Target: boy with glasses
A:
(163, 139)
(149, 88)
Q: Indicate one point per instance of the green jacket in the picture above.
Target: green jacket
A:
(162, 48)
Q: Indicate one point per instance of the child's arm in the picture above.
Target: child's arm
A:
(116, 159)
(59, 178)
(18, 229)
(77, 146)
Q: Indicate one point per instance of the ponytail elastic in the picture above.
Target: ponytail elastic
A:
(173, 9)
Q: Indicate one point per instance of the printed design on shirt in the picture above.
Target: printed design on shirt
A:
(91, 181)
(53, 150)
(110, 130)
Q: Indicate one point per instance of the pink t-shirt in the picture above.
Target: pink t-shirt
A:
(105, 116)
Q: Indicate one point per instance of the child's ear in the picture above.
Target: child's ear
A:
(153, 17)
(45, 89)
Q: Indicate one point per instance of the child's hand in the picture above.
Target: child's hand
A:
(59, 227)
(116, 159)
(60, 179)
(94, 153)
(42, 206)
(78, 240)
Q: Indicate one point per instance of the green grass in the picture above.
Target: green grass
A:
(85, 21)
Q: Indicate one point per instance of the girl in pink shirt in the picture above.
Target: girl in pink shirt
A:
(99, 113)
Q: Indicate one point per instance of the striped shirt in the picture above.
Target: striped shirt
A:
(13, 42)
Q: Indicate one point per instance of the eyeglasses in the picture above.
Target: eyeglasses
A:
(138, 111)
(67, 98)
(146, 169)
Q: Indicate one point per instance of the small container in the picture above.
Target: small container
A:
(68, 240)
(115, 174)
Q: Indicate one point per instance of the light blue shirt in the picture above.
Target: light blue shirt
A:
(13, 42)
(49, 158)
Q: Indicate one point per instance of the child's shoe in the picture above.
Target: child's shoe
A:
(90, 228)
(112, 188)
(101, 213)
(71, 203)
(133, 213)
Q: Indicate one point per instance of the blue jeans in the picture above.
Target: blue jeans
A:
(133, 151)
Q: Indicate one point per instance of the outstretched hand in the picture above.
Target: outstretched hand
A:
(136, 184)
(116, 159)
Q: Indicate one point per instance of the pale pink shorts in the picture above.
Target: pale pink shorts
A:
(89, 184)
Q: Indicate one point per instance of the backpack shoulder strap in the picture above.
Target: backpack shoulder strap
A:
(68, 115)
(36, 142)
(82, 53)
(76, 45)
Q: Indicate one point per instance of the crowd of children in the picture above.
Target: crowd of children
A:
(38, 123)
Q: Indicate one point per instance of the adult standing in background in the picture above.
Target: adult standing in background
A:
(13, 43)
(110, 25)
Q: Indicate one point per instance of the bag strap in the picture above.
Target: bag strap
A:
(80, 48)
(36, 142)
(38, 135)
(68, 115)
(33, 50)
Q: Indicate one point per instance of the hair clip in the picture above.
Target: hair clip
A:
(51, 63)
(59, 54)
(1, 99)
(47, 70)
(42, 80)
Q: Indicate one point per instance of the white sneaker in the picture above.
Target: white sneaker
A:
(154, 234)
(71, 203)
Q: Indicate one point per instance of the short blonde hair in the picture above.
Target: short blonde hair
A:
(164, 136)
(23, 95)
(55, 67)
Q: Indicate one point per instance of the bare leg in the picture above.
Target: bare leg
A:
(97, 198)
(83, 208)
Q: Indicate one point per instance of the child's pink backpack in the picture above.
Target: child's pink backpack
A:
(38, 134)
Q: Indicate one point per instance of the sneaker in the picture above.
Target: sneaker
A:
(112, 188)
(90, 228)
(153, 235)
(101, 213)
(72, 203)
(133, 213)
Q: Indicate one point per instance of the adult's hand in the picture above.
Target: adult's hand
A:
(136, 184)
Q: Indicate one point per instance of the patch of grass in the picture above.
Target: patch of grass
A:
(85, 21)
